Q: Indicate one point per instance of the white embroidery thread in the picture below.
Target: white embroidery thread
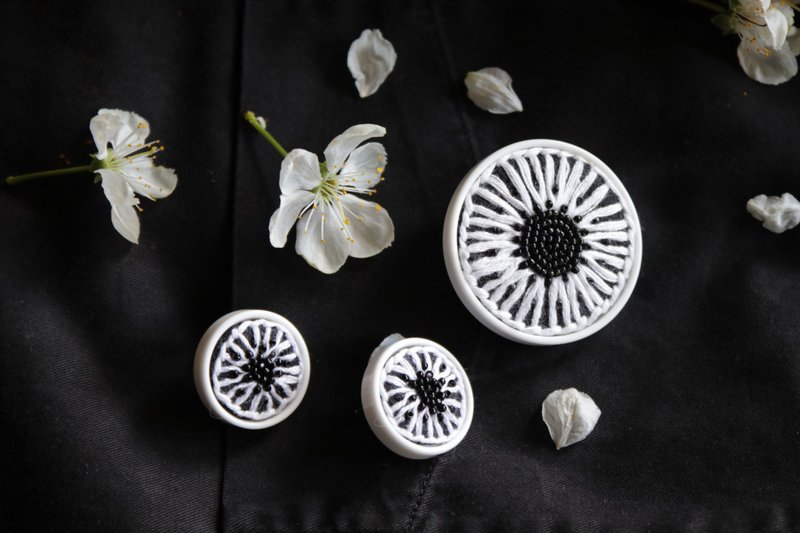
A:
(255, 369)
(422, 393)
(545, 241)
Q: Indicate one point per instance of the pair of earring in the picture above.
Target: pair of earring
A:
(252, 370)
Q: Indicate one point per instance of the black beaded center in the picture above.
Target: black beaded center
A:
(551, 242)
(429, 390)
(261, 370)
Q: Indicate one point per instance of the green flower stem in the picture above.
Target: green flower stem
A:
(709, 5)
(251, 118)
(22, 178)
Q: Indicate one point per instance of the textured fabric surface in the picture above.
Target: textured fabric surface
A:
(698, 377)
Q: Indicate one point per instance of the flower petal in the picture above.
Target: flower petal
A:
(299, 171)
(793, 39)
(370, 59)
(326, 255)
(778, 213)
(122, 200)
(364, 167)
(286, 215)
(117, 127)
(153, 182)
(340, 147)
(370, 226)
(777, 27)
(490, 89)
(570, 416)
(775, 68)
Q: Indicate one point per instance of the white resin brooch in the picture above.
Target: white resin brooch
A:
(542, 242)
(416, 397)
(252, 368)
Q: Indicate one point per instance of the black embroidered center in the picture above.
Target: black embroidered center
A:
(261, 370)
(551, 242)
(430, 392)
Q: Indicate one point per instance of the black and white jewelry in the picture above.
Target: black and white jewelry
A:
(416, 397)
(542, 242)
(252, 368)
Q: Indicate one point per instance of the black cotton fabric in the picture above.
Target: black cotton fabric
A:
(698, 377)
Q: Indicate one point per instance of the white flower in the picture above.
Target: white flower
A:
(769, 39)
(570, 416)
(490, 89)
(778, 213)
(371, 59)
(333, 223)
(126, 167)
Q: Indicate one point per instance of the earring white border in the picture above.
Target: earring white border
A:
(468, 297)
(382, 426)
(205, 351)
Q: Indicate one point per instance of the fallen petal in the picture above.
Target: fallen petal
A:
(490, 89)
(570, 416)
(778, 213)
(370, 59)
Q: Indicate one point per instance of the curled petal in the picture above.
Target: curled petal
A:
(371, 59)
(490, 89)
(370, 226)
(772, 68)
(777, 27)
(286, 215)
(120, 128)
(570, 416)
(340, 147)
(778, 213)
(123, 202)
(299, 171)
(151, 181)
(321, 242)
(364, 167)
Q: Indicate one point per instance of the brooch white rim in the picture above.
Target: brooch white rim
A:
(466, 292)
(385, 427)
(204, 358)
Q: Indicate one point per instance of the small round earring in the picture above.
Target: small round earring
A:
(416, 397)
(251, 368)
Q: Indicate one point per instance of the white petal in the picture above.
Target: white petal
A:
(370, 59)
(364, 166)
(151, 181)
(122, 200)
(793, 40)
(778, 213)
(120, 128)
(340, 147)
(490, 89)
(370, 226)
(777, 27)
(775, 68)
(286, 215)
(126, 221)
(570, 416)
(299, 171)
(326, 255)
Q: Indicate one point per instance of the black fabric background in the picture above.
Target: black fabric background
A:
(698, 378)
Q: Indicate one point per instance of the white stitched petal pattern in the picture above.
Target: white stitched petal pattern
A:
(255, 369)
(422, 394)
(545, 241)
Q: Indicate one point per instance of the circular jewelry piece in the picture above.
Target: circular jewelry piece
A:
(542, 242)
(416, 397)
(251, 368)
